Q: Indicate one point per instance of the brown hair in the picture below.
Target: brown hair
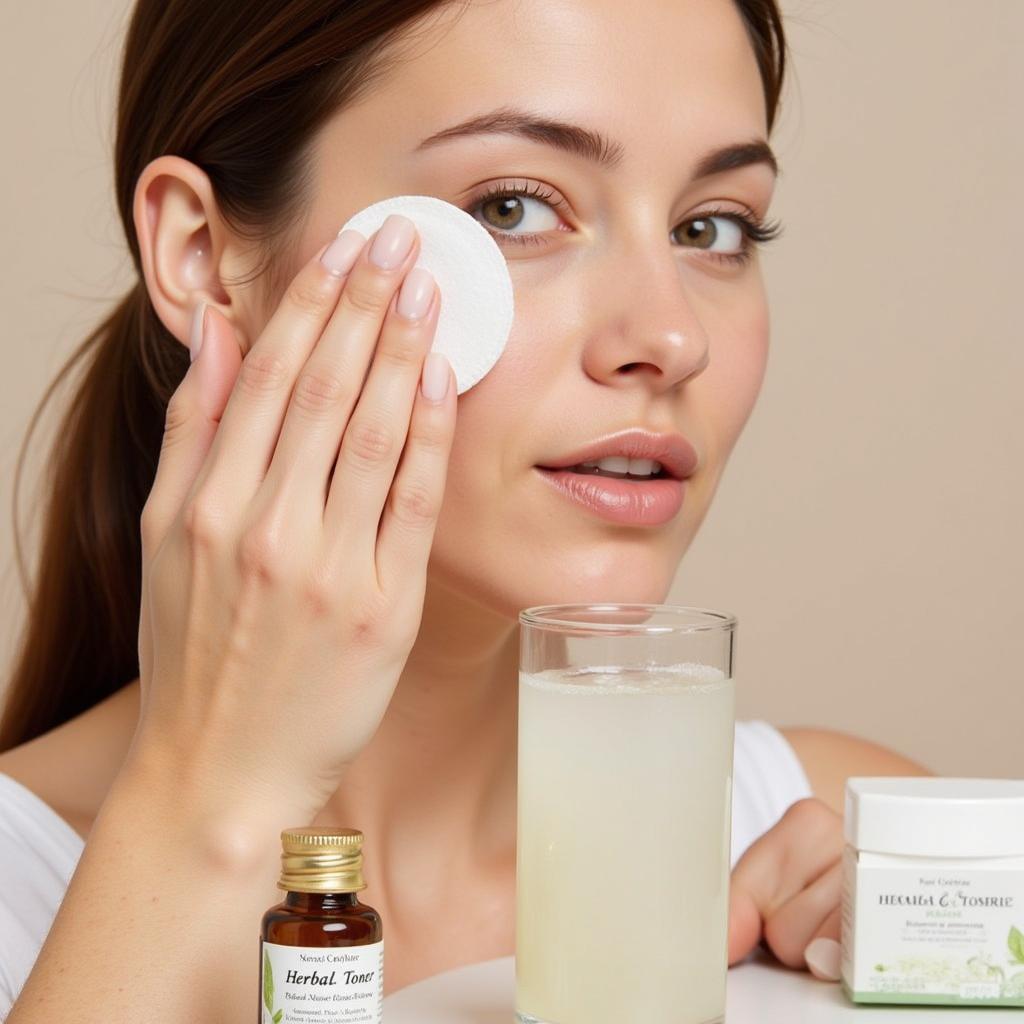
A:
(239, 88)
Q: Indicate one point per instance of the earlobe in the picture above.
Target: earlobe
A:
(181, 242)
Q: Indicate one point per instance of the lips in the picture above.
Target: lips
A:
(677, 456)
(634, 502)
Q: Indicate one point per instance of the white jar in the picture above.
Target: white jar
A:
(933, 891)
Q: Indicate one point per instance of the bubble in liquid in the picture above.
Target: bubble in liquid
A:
(682, 677)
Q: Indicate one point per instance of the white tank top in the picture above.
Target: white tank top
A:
(39, 850)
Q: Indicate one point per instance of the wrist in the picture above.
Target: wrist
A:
(232, 827)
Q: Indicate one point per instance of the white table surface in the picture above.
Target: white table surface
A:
(758, 991)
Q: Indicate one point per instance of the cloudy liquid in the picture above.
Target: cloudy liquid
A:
(624, 815)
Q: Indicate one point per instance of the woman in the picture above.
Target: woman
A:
(230, 632)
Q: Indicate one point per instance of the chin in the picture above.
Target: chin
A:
(512, 579)
(620, 588)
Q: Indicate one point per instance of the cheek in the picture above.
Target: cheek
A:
(499, 420)
(486, 539)
(716, 406)
(727, 390)
(478, 541)
(491, 446)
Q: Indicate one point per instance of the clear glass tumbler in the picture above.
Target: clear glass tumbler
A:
(626, 725)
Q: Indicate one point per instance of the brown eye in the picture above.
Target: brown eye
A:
(701, 233)
(704, 232)
(504, 212)
(517, 214)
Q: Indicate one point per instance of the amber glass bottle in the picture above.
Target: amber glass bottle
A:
(321, 950)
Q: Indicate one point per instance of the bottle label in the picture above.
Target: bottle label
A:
(320, 985)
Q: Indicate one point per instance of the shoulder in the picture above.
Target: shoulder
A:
(35, 774)
(830, 757)
(72, 766)
(38, 855)
(33, 834)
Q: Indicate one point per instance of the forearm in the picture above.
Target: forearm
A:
(829, 758)
(160, 921)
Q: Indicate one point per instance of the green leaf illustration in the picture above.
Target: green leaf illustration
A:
(268, 983)
(278, 1015)
(1016, 945)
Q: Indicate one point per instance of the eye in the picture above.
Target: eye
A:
(717, 234)
(508, 207)
(727, 237)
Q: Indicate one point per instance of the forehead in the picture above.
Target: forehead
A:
(640, 70)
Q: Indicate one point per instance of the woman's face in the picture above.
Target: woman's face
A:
(626, 315)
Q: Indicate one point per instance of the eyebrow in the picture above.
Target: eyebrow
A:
(593, 145)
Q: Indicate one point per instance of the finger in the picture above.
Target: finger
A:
(191, 422)
(802, 845)
(338, 402)
(249, 428)
(790, 928)
(410, 517)
(824, 953)
(376, 436)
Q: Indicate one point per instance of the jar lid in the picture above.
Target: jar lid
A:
(921, 816)
(321, 859)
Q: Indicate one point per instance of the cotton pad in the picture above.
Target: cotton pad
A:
(471, 274)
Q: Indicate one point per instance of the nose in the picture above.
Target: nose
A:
(644, 327)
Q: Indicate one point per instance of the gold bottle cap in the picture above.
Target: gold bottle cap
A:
(321, 859)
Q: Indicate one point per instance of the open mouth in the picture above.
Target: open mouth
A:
(641, 470)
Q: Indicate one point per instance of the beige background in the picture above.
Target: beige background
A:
(867, 531)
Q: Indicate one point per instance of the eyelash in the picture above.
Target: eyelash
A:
(755, 232)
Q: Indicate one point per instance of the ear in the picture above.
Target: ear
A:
(186, 247)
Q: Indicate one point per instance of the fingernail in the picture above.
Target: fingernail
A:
(416, 292)
(195, 334)
(342, 253)
(393, 241)
(435, 376)
(823, 958)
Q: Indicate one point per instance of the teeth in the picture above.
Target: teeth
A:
(622, 464)
(641, 467)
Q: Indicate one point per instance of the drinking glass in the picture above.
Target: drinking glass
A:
(625, 752)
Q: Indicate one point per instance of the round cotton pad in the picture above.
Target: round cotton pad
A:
(471, 274)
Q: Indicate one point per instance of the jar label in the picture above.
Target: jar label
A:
(321, 985)
(922, 933)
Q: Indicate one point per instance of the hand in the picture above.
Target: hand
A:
(785, 889)
(283, 579)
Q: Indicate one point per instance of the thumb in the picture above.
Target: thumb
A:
(193, 414)
(216, 360)
(745, 927)
(824, 953)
